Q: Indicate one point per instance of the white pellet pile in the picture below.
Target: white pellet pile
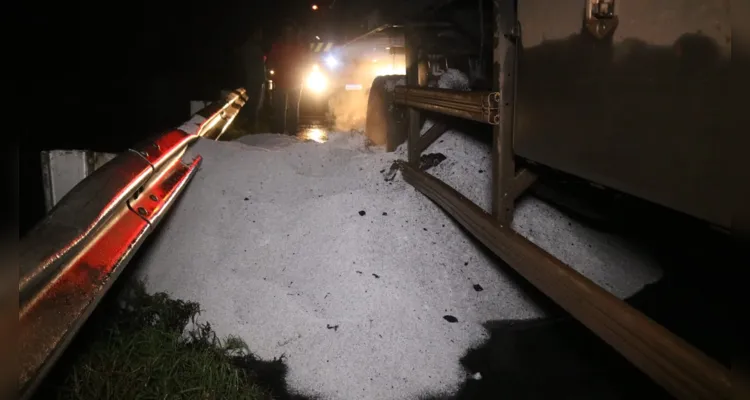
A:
(303, 250)
(269, 239)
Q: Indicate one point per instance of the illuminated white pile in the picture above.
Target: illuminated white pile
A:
(303, 249)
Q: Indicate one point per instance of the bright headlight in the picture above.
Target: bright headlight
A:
(331, 62)
(316, 81)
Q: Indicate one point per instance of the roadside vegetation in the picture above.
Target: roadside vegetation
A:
(143, 346)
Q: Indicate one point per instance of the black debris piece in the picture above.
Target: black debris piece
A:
(376, 276)
(466, 263)
(478, 287)
(359, 272)
(385, 213)
(427, 161)
(481, 171)
(391, 173)
(334, 327)
(247, 198)
(450, 319)
(362, 213)
(425, 229)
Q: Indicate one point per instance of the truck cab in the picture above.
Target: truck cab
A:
(344, 74)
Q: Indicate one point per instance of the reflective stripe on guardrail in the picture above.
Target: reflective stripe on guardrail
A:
(72, 257)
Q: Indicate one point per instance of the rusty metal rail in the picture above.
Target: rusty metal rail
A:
(471, 105)
(72, 257)
(679, 367)
(682, 369)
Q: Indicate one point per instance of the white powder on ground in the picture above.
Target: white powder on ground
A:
(604, 258)
(268, 239)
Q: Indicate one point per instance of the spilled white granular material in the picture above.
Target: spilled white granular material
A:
(302, 249)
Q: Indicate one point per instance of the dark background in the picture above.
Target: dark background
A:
(111, 73)
(103, 75)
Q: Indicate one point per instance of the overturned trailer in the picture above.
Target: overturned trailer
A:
(628, 99)
(629, 96)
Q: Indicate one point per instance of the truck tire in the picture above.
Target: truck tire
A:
(385, 123)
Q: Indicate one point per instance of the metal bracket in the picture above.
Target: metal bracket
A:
(600, 18)
(156, 196)
(491, 108)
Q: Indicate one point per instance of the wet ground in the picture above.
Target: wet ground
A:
(316, 132)
(311, 127)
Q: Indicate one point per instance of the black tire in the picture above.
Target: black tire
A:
(385, 124)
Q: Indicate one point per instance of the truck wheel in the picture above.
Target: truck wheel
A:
(385, 123)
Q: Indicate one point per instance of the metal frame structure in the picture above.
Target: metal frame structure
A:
(683, 370)
(69, 261)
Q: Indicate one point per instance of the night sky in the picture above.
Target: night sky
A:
(115, 72)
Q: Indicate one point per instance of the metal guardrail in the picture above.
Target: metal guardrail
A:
(71, 258)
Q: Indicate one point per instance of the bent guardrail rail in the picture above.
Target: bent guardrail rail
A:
(72, 257)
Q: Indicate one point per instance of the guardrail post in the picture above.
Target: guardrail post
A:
(507, 184)
(414, 77)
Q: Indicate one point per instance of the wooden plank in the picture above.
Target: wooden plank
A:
(430, 136)
(679, 367)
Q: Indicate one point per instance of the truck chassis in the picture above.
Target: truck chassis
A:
(683, 370)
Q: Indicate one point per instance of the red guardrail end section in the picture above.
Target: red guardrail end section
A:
(47, 319)
(150, 204)
(164, 145)
(55, 315)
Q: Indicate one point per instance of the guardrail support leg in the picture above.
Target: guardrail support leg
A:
(507, 183)
(413, 78)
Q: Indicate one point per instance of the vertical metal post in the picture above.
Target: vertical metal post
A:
(412, 79)
(504, 73)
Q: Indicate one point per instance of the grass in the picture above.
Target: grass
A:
(138, 348)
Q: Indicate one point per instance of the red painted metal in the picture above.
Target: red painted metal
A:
(163, 147)
(70, 260)
(158, 197)
(52, 317)
(129, 171)
(45, 321)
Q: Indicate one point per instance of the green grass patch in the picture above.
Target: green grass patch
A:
(137, 347)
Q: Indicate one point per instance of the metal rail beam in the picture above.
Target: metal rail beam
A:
(680, 368)
(72, 257)
(475, 106)
(430, 136)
